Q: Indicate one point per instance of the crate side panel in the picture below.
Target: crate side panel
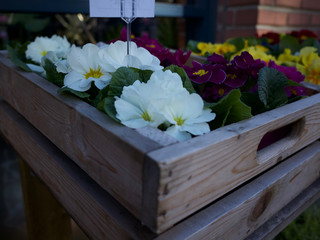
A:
(110, 153)
(243, 211)
(196, 172)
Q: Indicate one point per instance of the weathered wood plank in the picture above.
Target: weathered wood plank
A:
(284, 217)
(101, 217)
(240, 213)
(194, 173)
(95, 211)
(45, 217)
(110, 153)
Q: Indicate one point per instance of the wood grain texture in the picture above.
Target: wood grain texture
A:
(241, 212)
(109, 152)
(161, 182)
(95, 211)
(101, 217)
(287, 214)
(45, 217)
(198, 171)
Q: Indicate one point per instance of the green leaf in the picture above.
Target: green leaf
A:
(144, 75)
(17, 59)
(187, 84)
(290, 42)
(82, 95)
(271, 83)
(122, 77)
(53, 75)
(107, 105)
(253, 100)
(103, 93)
(312, 42)
(193, 46)
(238, 42)
(230, 109)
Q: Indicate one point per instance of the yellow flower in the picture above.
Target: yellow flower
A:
(313, 72)
(257, 52)
(218, 48)
(307, 55)
(287, 58)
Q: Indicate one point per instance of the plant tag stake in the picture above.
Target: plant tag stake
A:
(128, 14)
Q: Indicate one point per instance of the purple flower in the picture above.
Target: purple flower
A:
(199, 73)
(215, 92)
(235, 77)
(293, 74)
(217, 59)
(246, 62)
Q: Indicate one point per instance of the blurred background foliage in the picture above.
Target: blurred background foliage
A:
(80, 28)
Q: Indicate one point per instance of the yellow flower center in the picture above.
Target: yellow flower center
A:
(201, 72)
(221, 91)
(151, 45)
(93, 73)
(313, 77)
(43, 53)
(232, 76)
(179, 121)
(145, 115)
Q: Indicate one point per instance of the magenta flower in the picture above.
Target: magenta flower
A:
(246, 62)
(215, 92)
(293, 74)
(199, 73)
(217, 59)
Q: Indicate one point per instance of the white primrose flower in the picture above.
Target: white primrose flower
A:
(42, 45)
(186, 114)
(84, 67)
(115, 56)
(163, 99)
(135, 106)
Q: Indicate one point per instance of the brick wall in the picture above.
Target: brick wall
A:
(241, 18)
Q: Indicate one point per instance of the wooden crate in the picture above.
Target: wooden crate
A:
(159, 180)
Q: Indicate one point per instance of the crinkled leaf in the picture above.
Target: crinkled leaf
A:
(53, 75)
(122, 77)
(82, 95)
(290, 42)
(184, 77)
(17, 59)
(271, 83)
(312, 42)
(107, 105)
(192, 45)
(103, 93)
(253, 100)
(144, 75)
(238, 42)
(230, 109)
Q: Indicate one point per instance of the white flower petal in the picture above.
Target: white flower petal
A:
(175, 132)
(115, 56)
(76, 81)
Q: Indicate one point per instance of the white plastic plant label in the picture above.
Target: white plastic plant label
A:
(112, 8)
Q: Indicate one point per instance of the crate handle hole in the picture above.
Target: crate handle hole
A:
(278, 140)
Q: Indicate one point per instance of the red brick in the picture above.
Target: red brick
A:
(263, 31)
(246, 17)
(289, 3)
(221, 2)
(229, 18)
(242, 2)
(267, 17)
(311, 4)
(231, 33)
(315, 20)
(267, 2)
(299, 19)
